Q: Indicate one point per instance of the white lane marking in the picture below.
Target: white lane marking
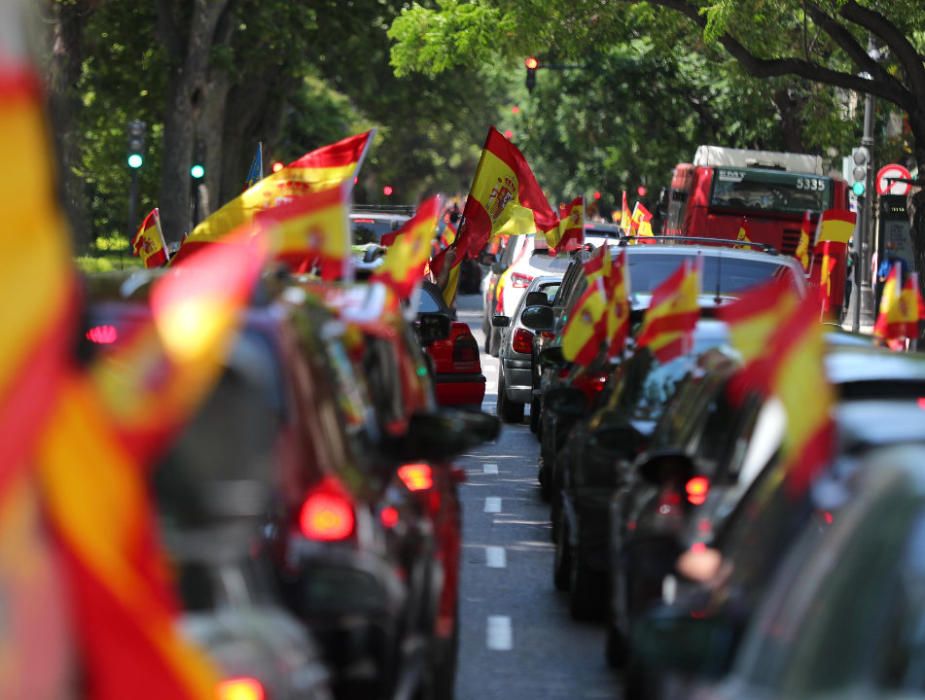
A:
(493, 504)
(489, 468)
(498, 635)
(495, 557)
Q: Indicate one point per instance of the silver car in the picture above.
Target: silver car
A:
(516, 372)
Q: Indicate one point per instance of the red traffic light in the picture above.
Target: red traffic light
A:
(387, 190)
(531, 63)
(597, 195)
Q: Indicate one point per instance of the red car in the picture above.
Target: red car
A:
(453, 352)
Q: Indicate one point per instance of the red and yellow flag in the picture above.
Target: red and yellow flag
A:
(570, 233)
(641, 222)
(148, 242)
(586, 328)
(757, 314)
(806, 241)
(599, 265)
(672, 314)
(626, 216)
(618, 307)
(312, 230)
(322, 169)
(403, 266)
(743, 236)
(837, 226)
(505, 198)
(899, 307)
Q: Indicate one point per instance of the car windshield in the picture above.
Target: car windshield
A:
(542, 260)
(369, 230)
(649, 270)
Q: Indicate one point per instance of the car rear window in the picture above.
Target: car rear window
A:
(370, 230)
(541, 260)
(649, 270)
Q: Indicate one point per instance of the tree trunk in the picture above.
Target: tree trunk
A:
(791, 120)
(186, 101)
(64, 106)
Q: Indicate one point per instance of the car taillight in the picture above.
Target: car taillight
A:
(522, 341)
(327, 513)
(921, 403)
(389, 517)
(103, 335)
(465, 349)
(416, 477)
(697, 488)
(240, 689)
(520, 280)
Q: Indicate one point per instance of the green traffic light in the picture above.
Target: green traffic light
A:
(197, 171)
(135, 161)
(858, 189)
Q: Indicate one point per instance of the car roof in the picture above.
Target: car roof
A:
(855, 363)
(692, 249)
(864, 424)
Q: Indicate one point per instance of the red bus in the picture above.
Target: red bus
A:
(769, 191)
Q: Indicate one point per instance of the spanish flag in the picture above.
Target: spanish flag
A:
(505, 198)
(806, 241)
(757, 314)
(618, 307)
(899, 307)
(742, 236)
(599, 265)
(837, 226)
(311, 231)
(672, 314)
(626, 216)
(148, 242)
(586, 328)
(324, 168)
(641, 221)
(570, 233)
(404, 263)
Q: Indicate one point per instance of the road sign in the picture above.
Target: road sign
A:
(893, 171)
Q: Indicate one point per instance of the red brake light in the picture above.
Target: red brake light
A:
(921, 403)
(327, 514)
(364, 221)
(697, 488)
(520, 281)
(465, 349)
(389, 516)
(241, 689)
(103, 335)
(416, 477)
(522, 341)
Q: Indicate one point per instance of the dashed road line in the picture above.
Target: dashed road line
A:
(493, 504)
(495, 557)
(489, 468)
(498, 635)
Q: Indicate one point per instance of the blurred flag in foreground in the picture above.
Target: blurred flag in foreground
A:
(586, 327)
(900, 307)
(599, 265)
(403, 266)
(505, 198)
(325, 168)
(672, 314)
(149, 243)
(312, 230)
(626, 216)
(255, 172)
(570, 233)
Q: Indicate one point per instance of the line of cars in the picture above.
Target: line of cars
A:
(310, 508)
(669, 515)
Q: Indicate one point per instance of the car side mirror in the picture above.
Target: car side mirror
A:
(486, 258)
(670, 638)
(443, 435)
(550, 357)
(538, 318)
(566, 401)
(499, 321)
(660, 466)
(536, 299)
(432, 327)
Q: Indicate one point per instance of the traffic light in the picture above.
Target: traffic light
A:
(532, 64)
(198, 171)
(136, 143)
(861, 158)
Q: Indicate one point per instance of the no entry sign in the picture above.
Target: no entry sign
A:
(887, 173)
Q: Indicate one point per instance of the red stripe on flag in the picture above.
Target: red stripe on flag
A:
(344, 152)
(674, 349)
(810, 459)
(676, 323)
(756, 301)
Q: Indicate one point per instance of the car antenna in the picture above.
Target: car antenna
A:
(718, 299)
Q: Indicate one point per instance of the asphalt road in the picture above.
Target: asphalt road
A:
(517, 639)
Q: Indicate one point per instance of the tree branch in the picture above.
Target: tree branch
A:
(776, 67)
(849, 44)
(894, 38)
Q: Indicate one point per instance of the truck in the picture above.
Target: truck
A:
(767, 192)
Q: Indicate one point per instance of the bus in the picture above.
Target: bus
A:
(769, 192)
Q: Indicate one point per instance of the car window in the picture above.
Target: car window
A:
(370, 230)
(649, 270)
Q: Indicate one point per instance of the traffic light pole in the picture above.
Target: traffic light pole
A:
(863, 244)
(133, 205)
